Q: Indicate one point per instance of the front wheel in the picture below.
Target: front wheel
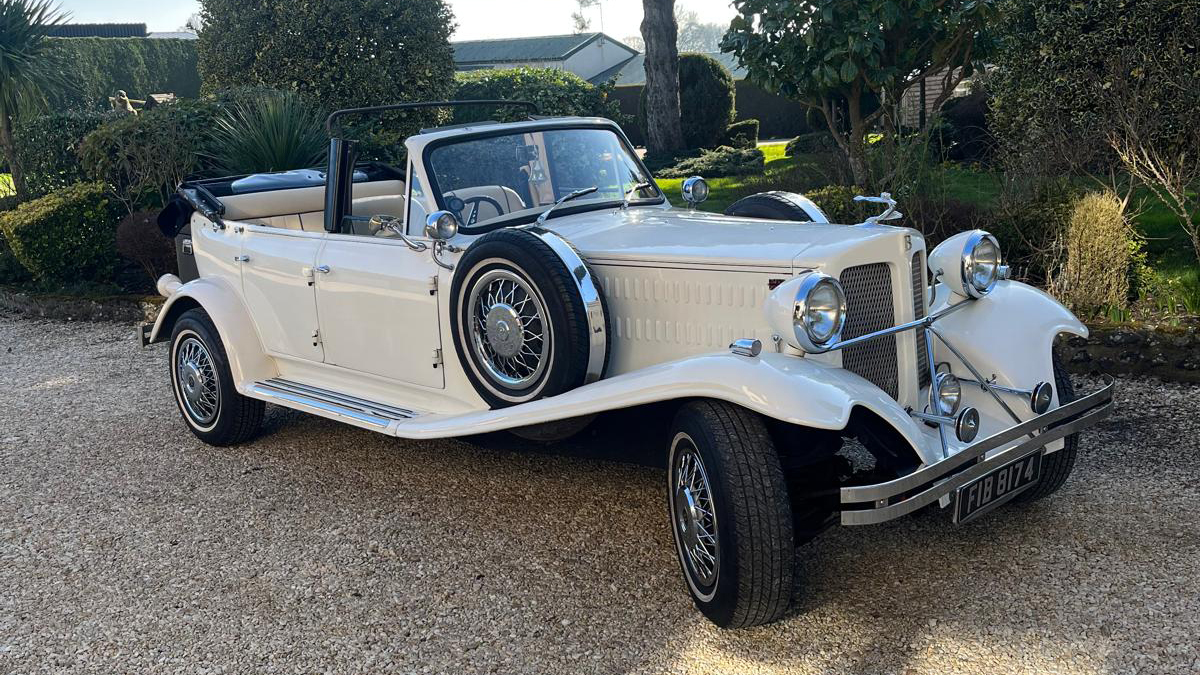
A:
(730, 514)
(213, 409)
(1057, 465)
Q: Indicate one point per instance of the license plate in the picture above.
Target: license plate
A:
(996, 487)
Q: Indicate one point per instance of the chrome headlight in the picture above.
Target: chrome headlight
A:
(980, 264)
(809, 311)
(694, 190)
(970, 263)
(947, 394)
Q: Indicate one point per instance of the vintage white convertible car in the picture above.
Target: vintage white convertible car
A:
(529, 276)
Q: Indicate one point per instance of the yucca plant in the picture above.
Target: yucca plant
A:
(275, 132)
(27, 69)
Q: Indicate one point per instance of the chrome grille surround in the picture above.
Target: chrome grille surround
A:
(918, 291)
(870, 308)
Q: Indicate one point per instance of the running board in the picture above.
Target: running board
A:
(326, 403)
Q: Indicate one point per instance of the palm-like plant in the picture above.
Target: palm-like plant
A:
(27, 68)
(276, 132)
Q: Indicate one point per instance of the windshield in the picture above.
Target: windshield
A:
(499, 178)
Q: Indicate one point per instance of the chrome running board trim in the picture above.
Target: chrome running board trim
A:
(329, 403)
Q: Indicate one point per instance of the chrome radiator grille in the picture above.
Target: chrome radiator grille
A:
(870, 308)
(918, 289)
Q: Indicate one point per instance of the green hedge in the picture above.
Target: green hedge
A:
(556, 92)
(48, 146)
(744, 133)
(68, 235)
(95, 68)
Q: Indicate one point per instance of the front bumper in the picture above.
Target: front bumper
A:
(881, 502)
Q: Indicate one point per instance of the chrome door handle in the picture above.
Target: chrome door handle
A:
(323, 269)
(241, 258)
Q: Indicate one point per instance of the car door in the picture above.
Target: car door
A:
(377, 300)
(278, 287)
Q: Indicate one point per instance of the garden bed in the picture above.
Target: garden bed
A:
(115, 308)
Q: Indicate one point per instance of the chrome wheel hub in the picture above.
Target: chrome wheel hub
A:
(695, 516)
(510, 334)
(197, 381)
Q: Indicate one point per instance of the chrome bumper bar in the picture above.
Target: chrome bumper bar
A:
(871, 504)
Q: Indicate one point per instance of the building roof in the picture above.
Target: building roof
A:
(173, 35)
(632, 73)
(510, 50)
(106, 30)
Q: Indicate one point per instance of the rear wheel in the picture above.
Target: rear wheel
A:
(730, 514)
(1057, 465)
(203, 384)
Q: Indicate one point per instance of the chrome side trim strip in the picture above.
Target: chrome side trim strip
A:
(936, 492)
(589, 293)
(1097, 405)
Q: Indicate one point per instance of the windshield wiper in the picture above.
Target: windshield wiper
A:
(628, 193)
(565, 198)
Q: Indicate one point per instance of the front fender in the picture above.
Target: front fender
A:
(784, 387)
(1007, 334)
(247, 360)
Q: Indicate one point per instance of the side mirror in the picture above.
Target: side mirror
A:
(694, 190)
(441, 226)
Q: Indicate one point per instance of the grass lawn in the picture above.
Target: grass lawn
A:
(721, 190)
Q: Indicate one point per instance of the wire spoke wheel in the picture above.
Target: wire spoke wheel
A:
(197, 381)
(695, 517)
(510, 333)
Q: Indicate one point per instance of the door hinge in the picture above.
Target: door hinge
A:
(316, 338)
(433, 285)
(437, 358)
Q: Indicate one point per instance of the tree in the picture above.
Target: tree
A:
(696, 36)
(836, 55)
(582, 22)
(341, 53)
(194, 24)
(27, 69)
(636, 42)
(663, 132)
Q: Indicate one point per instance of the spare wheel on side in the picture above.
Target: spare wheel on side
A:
(528, 318)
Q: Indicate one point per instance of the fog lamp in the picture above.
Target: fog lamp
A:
(1041, 396)
(966, 425)
(947, 394)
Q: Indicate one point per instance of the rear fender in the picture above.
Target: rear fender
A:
(247, 360)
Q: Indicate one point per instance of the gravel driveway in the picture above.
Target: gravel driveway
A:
(127, 546)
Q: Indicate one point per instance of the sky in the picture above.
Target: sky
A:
(477, 19)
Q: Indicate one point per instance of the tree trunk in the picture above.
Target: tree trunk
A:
(10, 154)
(663, 133)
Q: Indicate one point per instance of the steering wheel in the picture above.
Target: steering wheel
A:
(457, 205)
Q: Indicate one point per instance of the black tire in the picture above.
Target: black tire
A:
(770, 205)
(236, 418)
(530, 259)
(1057, 465)
(751, 583)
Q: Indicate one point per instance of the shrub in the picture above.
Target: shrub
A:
(556, 92)
(98, 67)
(811, 143)
(1029, 220)
(721, 161)
(742, 134)
(49, 148)
(66, 235)
(1097, 242)
(139, 240)
(11, 269)
(143, 158)
(275, 132)
(706, 101)
(837, 201)
(340, 53)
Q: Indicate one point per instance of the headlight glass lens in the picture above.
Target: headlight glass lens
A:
(983, 267)
(824, 312)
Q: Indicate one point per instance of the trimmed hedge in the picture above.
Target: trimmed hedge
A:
(556, 92)
(48, 146)
(742, 134)
(68, 235)
(96, 68)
